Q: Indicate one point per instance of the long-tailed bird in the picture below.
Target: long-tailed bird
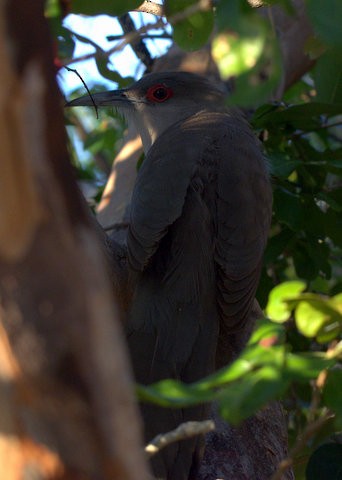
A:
(199, 221)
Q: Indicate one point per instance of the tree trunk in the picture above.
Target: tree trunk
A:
(66, 397)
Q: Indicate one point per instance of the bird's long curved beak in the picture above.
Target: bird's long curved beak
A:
(101, 99)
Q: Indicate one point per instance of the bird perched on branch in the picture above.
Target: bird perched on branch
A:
(199, 220)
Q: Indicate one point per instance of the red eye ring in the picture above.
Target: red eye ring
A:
(159, 93)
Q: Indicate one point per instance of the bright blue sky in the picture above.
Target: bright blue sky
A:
(97, 29)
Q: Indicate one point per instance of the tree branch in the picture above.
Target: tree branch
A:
(182, 432)
(152, 8)
(137, 45)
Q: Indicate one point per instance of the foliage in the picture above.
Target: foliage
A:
(293, 355)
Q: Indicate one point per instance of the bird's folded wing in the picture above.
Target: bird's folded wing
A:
(244, 205)
(160, 192)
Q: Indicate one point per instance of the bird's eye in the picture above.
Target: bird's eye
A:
(158, 93)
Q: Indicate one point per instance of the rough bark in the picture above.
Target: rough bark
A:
(250, 451)
(66, 400)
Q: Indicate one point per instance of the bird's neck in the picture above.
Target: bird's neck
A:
(151, 125)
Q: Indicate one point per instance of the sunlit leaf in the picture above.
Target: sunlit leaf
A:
(171, 393)
(236, 55)
(311, 316)
(305, 366)
(265, 331)
(240, 402)
(336, 302)
(277, 308)
(247, 49)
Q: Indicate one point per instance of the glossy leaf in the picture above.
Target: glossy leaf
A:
(240, 402)
(299, 116)
(171, 393)
(305, 366)
(265, 331)
(278, 308)
(311, 316)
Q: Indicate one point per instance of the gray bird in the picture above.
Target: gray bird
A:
(199, 220)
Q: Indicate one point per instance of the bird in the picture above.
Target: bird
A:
(199, 219)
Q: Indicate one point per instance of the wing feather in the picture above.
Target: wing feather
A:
(160, 192)
(244, 203)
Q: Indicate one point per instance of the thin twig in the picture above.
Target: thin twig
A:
(138, 46)
(182, 432)
(85, 86)
(160, 36)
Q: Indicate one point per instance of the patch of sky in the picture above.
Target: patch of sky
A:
(97, 29)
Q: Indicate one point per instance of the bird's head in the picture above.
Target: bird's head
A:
(159, 100)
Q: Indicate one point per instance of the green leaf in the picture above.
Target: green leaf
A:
(332, 394)
(328, 77)
(278, 243)
(325, 18)
(267, 331)
(282, 164)
(52, 9)
(103, 7)
(247, 49)
(333, 226)
(333, 199)
(278, 308)
(299, 116)
(193, 32)
(288, 208)
(325, 463)
(307, 260)
(234, 54)
(306, 366)
(171, 393)
(257, 389)
(336, 302)
(311, 316)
